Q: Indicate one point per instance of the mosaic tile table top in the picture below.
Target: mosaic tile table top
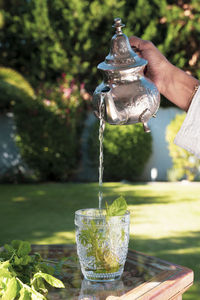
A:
(144, 278)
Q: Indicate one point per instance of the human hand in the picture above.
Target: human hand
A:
(157, 63)
(175, 84)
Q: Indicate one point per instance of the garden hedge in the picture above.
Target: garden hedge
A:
(126, 151)
(48, 125)
(13, 88)
(49, 130)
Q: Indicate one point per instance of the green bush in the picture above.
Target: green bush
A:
(18, 173)
(126, 151)
(13, 87)
(49, 129)
(185, 165)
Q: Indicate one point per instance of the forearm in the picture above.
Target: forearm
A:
(178, 87)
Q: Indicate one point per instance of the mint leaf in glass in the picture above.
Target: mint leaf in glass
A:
(117, 208)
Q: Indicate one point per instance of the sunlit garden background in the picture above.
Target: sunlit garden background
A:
(49, 51)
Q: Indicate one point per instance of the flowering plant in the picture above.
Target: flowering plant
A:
(66, 98)
(50, 141)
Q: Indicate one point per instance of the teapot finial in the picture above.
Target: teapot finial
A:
(121, 55)
(118, 25)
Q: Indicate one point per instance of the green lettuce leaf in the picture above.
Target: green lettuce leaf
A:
(50, 279)
(24, 294)
(11, 290)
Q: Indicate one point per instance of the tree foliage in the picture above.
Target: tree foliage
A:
(42, 38)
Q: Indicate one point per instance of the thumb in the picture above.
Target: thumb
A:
(137, 43)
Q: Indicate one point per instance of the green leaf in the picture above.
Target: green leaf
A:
(24, 249)
(117, 208)
(24, 294)
(45, 268)
(26, 260)
(34, 294)
(38, 285)
(17, 273)
(5, 265)
(9, 249)
(2, 286)
(17, 261)
(50, 279)
(5, 273)
(37, 296)
(15, 244)
(11, 290)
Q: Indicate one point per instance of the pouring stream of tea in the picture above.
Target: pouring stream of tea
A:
(101, 131)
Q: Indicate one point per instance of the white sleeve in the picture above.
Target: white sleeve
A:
(188, 136)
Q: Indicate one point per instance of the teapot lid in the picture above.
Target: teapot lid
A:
(121, 54)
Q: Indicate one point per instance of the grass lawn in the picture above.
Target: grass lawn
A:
(165, 217)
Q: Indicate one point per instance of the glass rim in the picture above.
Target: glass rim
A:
(79, 213)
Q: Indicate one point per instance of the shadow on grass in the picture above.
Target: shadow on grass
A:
(46, 211)
(135, 196)
(179, 250)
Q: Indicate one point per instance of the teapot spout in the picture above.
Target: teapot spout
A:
(112, 116)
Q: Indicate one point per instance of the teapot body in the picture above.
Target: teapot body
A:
(134, 97)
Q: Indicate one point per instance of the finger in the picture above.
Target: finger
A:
(139, 44)
(136, 42)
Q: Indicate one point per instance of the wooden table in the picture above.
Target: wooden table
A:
(144, 278)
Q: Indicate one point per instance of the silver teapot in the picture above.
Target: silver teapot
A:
(127, 96)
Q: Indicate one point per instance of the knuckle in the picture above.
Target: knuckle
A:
(148, 44)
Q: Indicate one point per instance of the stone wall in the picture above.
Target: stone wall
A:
(160, 161)
(9, 153)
